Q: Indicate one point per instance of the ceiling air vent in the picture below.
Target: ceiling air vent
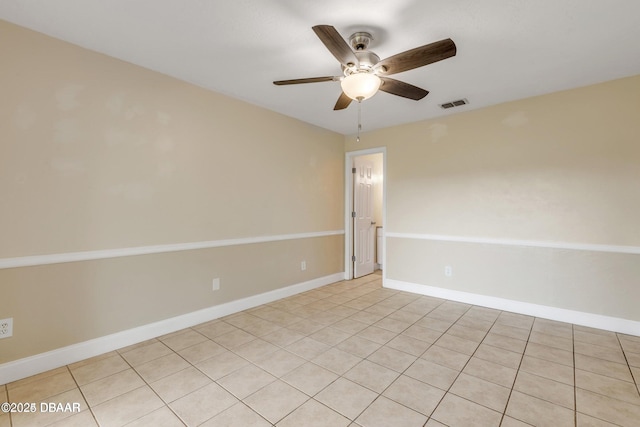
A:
(452, 104)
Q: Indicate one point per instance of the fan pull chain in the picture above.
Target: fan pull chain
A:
(359, 118)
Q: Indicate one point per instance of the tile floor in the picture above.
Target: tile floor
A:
(352, 354)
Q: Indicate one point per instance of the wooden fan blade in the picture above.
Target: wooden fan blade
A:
(336, 45)
(309, 80)
(405, 90)
(418, 57)
(343, 102)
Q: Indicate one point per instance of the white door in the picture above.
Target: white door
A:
(363, 223)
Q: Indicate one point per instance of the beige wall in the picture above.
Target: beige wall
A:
(96, 153)
(563, 167)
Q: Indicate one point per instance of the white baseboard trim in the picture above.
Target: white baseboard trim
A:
(22, 368)
(598, 321)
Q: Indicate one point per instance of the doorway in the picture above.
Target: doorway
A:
(365, 212)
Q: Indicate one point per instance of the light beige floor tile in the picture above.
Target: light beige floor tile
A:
(366, 317)
(184, 339)
(372, 375)
(610, 340)
(358, 346)
(127, 407)
(350, 326)
(491, 372)
(4, 420)
(94, 359)
(510, 331)
(551, 341)
(162, 367)
(583, 420)
(234, 339)
(330, 336)
(162, 417)
(261, 328)
(480, 325)
(454, 343)
(346, 397)
(544, 368)
(516, 320)
(500, 356)
(606, 408)
(246, 381)
(375, 334)
(140, 355)
(512, 422)
(307, 348)
(435, 325)
(392, 358)
(607, 386)
(505, 342)
(256, 349)
(485, 393)
(276, 400)
(456, 411)
(409, 345)
(310, 378)
(306, 326)
(543, 388)
(283, 337)
(42, 418)
(385, 412)
(538, 412)
(629, 343)
(180, 384)
(549, 353)
(40, 389)
(432, 373)
(222, 364)
(445, 357)
(606, 353)
(280, 362)
(313, 414)
(552, 327)
(215, 329)
(421, 333)
(203, 404)
(82, 419)
(405, 316)
(237, 415)
(114, 385)
(483, 313)
(434, 423)
(242, 319)
(633, 359)
(467, 333)
(392, 325)
(603, 367)
(414, 394)
(100, 369)
(201, 352)
(3, 394)
(337, 361)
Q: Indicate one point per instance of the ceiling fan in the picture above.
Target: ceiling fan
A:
(363, 71)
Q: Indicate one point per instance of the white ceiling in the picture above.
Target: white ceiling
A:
(507, 49)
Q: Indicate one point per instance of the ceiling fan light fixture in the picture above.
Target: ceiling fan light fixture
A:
(360, 86)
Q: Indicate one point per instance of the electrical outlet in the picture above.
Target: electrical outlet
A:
(303, 265)
(448, 271)
(216, 284)
(6, 328)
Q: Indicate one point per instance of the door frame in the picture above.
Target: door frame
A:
(348, 208)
